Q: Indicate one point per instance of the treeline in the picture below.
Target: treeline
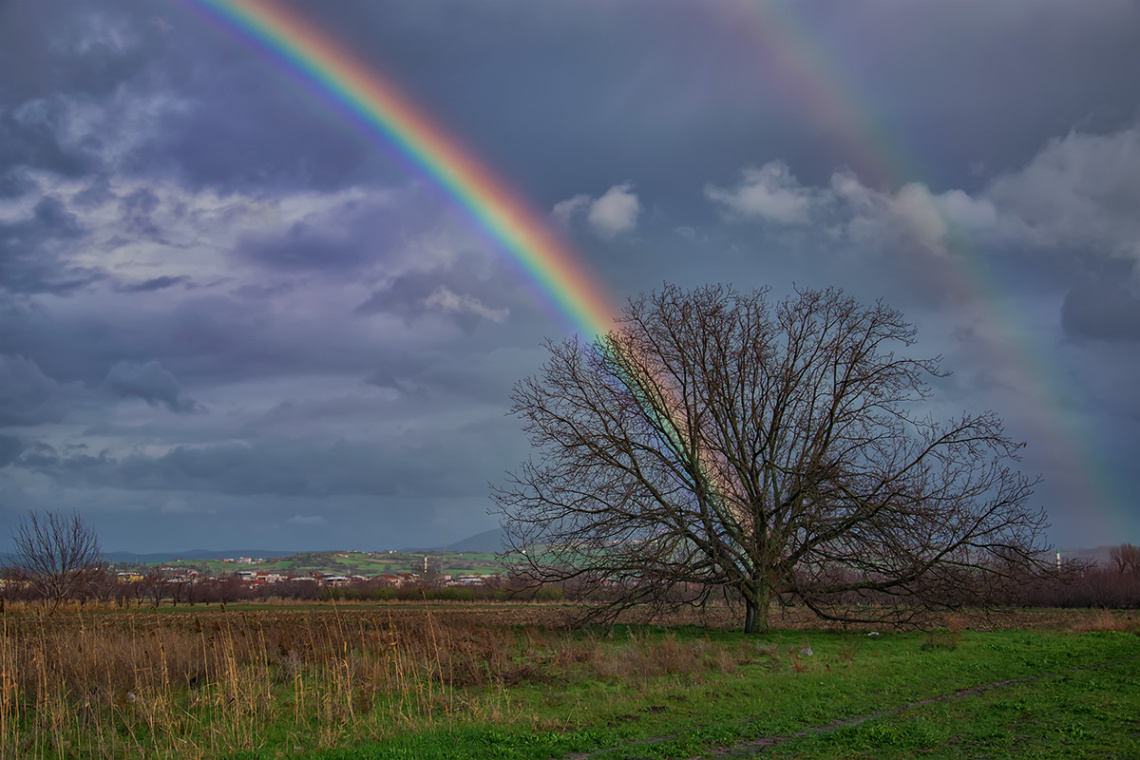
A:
(105, 587)
(1115, 585)
(1074, 587)
(1073, 584)
(492, 590)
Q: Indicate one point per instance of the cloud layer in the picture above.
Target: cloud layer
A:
(232, 316)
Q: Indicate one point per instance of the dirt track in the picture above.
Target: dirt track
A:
(755, 747)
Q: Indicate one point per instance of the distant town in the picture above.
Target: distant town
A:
(131, 580)
(335, 569)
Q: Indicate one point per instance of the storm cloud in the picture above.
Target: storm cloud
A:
(232, 314)
(1105, 310)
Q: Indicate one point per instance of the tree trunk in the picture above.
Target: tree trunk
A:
(756, 613)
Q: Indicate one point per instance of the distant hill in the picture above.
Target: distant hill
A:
(131, 558)
(489, 541)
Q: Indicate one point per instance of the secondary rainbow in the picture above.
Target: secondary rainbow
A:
(389, 115)
(783, 40)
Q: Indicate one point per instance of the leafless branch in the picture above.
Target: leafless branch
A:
(56, 553)
(715, 440)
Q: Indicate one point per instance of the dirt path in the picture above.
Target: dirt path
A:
(756, 746)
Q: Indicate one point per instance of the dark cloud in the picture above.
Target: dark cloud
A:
(476, 376)
(285, 467)
(342, 240)
(237, 141)
(150, 382)
(462, 292)
(38, 455)
(30, 260)
(28, 396)
(138, 208)
(76, 47)
(186, 223)
(32, 142)
(1102, 310)
(155, 283)
(10, 449)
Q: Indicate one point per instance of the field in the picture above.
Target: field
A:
(348, 682)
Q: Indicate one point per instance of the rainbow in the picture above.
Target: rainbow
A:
(781, 37)
(827, 96)
(389, 115)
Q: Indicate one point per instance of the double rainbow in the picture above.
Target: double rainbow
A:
(782, 39)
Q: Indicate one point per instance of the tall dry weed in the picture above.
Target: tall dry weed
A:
(1105, 620)
(203, 684)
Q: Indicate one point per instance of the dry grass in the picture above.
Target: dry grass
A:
(1105, 620)
(205, 683)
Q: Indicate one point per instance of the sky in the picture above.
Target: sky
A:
(234, 316)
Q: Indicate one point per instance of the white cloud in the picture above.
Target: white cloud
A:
(611, 215)
(448, 300)
(961, 208)
(1080, 190)
(615, 212)
(565, 210)
(770, 192)
(1080, 193)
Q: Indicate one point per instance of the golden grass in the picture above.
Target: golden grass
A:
(1105, 620)
(205, 683)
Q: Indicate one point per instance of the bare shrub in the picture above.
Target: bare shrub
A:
(56, 555)
(1126, 557)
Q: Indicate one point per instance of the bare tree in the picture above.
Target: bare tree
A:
(57, 553)
(717, 443)
(154, 586)
(1126, 557)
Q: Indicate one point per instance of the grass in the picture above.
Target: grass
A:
(428, 681)
(1077, 712)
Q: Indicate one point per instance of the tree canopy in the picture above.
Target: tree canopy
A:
(716, 442)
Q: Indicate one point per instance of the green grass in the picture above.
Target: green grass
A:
(1065, 713)
(1077, 699)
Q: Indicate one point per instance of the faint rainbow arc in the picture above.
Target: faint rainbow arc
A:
(384, 110)
(833, 99)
